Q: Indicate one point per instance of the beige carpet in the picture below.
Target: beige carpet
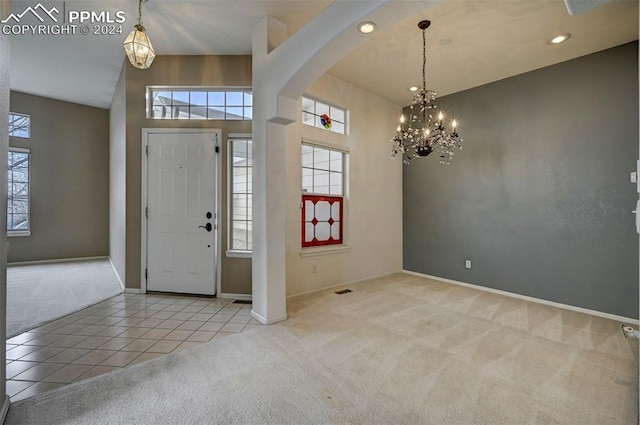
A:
(398, 350)
(38, 293)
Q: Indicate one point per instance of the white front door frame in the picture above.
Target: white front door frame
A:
(217, 137)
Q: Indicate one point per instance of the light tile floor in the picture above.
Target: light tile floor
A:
(116, 333)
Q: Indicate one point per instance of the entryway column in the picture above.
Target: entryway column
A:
(283, 68)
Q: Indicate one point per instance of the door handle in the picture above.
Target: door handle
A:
(206, 226)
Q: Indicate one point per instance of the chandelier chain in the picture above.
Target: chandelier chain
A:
(424, 60)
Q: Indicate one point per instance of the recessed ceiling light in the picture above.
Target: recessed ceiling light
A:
(560, 38)
(413, 88)
(366, 27)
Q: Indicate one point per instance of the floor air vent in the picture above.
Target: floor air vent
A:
(241, 301)
(344, 291)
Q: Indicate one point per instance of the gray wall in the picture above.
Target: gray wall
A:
(69, 180)
(539, 198)
(117, 175)
(221, 71)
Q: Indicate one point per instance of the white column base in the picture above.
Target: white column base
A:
(266, 321)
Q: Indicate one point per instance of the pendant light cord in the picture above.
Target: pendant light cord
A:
(139, 12)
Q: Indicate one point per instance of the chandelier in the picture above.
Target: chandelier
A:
(421, 134)
(137, 44)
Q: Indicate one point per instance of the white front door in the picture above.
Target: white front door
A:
(181, 216)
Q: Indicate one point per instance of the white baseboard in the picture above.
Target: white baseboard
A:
(133, 291)
(5, 409)
(527, 298)
(243, 297)
(59, 260)
(264, 321)
(313, 291)
(113, 266)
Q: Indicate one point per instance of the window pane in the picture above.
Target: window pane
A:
(180, 98)
(240, 199)
(233, 113)
(308, 118)
(320, 158)
(323, 231)
(20, 222)
(249, 235)
(321, 109)
(320, 181)
(18, 191)
(323, 211)
(19, 125)
(248, 98)
(234, 98)
(308, 105)
(335, 231)
(161, 97)
(198, 98)
(239, 238)
(307, 180)
(336, 161)
(198, 113)
(337, 114)
(308, 232)
(181, 112)
(247, 113)
(216, 98)
(216, 113)
(337, 127)
(307, 156)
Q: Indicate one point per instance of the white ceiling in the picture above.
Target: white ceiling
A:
(489, 40)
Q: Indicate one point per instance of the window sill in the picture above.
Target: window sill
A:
(18, 233)
(324, 250)
(238, 254)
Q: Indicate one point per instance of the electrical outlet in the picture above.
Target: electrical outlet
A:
(467, 264)
(314, 269)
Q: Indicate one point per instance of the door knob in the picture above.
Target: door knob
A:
(206, 226)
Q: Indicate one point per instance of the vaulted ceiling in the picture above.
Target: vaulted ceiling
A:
(470, 43)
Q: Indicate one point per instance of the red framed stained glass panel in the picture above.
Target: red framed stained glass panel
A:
(321, 220)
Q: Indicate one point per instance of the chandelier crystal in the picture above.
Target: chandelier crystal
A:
(137, 44)
(421, 135)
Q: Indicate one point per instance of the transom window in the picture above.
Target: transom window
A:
(323, 188)
(241, 166)
(19, 125)
(315, 114)
(18, 191)
(199, 103)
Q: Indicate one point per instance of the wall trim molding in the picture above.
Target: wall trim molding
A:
(313, 291)
(528, 298)
(243, 297)
(133, 291)
(115, 271)
(264, 321)
(58, 260)
(5, 409)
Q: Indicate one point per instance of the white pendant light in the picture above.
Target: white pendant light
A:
(137, 44)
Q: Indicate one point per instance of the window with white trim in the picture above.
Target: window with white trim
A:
(322, 115)
(199, 103)
(323, 187)
(19, 125)
(240, 190)
(18, 191)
